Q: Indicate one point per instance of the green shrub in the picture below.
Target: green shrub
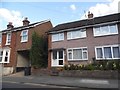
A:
(100, 65)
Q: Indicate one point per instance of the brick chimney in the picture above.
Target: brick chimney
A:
(26, 22)
(90, 15)
(10, 26)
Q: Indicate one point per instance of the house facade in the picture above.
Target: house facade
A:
(15, 43)
(83, 41)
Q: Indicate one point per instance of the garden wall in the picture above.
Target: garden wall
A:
(102, 74)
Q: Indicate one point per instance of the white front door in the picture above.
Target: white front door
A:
(57, 58)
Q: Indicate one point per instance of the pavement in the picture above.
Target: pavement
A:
(109, 84)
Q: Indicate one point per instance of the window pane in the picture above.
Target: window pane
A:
(97, 31)
(113, 29)
(68, 35)
(54, 54)
(61, 36)
(99, 53)
(6, 59)
(69, 54)
(84, 55)
(107, 52)
(24, 38)
(24, 33)
(116, 52)
(60, 62)
(77, 54)
(83, 34)
(55, 37)
(60, 54)
(104, 30)
(0, 59)
(75, 34)
(1, 53)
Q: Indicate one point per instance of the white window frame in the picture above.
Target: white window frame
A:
(4, 55)
(22, 40)
(57, 59)
(8, 39)
(58, 37)
(71, 33)
(102, 47)
(109, 33)
(0, 38)
(72, 54)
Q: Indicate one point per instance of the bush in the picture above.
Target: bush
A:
(101, 65)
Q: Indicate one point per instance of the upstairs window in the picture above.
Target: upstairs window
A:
(57, 37)
(76, 34)
(24, 36)
(105, 30)
(8, 39)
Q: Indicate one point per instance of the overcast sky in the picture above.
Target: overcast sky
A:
(57, 12)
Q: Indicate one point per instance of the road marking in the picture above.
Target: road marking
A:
(45, 85)
(10, 82)
(35, 84)
(94, 81)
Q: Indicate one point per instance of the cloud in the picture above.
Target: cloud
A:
(73, 7)
(11, 16)
(103, 9)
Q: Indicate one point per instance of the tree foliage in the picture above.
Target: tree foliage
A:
(38, 52)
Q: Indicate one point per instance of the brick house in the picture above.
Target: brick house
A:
(15, 43)
(80, 42)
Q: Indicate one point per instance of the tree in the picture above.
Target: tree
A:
(39, 51)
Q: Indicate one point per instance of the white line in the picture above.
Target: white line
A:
(35, 84)
(94, 81)
(44, 85)
(10, 82)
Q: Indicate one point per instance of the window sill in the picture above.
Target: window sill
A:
(57, 41)
(107, 58)
(24, 41)
(76, 38)
(79, 60)
(106, 35)
(7, 44)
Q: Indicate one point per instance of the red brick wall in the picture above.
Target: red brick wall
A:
(12, 48)
(40, 29)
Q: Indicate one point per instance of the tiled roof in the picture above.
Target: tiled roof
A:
(25, 27)
(87, 22)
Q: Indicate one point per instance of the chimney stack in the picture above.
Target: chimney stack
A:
(25, 22)
(10, 26)
(90, 15)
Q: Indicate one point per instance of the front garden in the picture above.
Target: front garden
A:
(98, 65)
(99, 69)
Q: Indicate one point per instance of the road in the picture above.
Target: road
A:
(22, 86)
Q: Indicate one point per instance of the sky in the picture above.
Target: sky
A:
(58, 12)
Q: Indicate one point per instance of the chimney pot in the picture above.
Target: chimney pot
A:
(10, 26)
(90, 15)
(26, 21)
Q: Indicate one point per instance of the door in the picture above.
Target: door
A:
(57, 58)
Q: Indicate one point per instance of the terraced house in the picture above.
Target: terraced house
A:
(81, 42)
(15, 43)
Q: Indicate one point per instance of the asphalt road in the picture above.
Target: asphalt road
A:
(32, 86)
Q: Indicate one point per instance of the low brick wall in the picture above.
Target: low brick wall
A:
(108, 74)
